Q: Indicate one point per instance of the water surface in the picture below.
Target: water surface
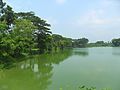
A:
(98, 67)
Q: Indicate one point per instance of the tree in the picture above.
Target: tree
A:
(41, 33)
(60, 42)
(22, 35)
(2, 4)
(8, 16)
(56, 41)
(116, 42)
(3, 37)
(80, 42)
(19, 41)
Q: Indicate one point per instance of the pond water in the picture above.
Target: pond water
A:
(98, 67)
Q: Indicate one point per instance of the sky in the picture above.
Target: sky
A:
(92, 19)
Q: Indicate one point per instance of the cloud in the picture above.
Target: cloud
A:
(92, 18)
(97, 18)
(107, 3)
(60, 1)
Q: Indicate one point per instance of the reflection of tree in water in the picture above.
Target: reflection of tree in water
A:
(116, 51)
(81, 52)
(6, 62)
(32, 74)
(57, 58)
(42, 72)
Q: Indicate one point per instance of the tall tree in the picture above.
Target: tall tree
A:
(8, 16)
(2, 4)
(3, 37)
(23, 36)
(42, 33)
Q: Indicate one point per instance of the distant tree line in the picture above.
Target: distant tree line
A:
(100, 44)
(112, 43)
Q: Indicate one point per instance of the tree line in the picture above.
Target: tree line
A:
(113, 43)
(23, 33)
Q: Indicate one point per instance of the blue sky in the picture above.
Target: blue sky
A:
(93, 19)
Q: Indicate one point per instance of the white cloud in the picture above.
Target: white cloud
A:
(60, 1)
(92, 18)
(107, 3)
(96, 18)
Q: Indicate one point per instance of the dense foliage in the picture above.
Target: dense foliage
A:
(100, 44)
(116, 42)
(25, 33)
(80, 42)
